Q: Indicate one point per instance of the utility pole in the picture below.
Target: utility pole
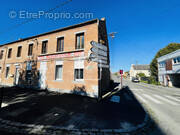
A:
(112, 35)
(1, 96)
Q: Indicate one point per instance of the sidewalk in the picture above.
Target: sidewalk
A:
(72, 112)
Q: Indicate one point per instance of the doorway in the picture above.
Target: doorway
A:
(42, 75)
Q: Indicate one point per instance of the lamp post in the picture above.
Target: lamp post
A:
(112, 35)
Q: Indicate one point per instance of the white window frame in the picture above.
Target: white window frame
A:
(58, 63)
(77, 33)
(78, 64)
(176, 61)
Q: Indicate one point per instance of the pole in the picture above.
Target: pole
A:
(100, 89)
(121, 80)
(1, 95)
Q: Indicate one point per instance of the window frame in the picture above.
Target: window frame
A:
(60, 48)
(31, 49)
(7, 73)
(9, 54)
(80, 36)
(46, 48)
(55, 77)
(79, 74)
(19, 56)
(1, 54)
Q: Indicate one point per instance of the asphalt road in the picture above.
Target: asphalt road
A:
(162, 103)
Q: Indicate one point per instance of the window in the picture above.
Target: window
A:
(178, 59)
(30, 50)
(9, 53)
(1, 54)
(19, 51)
(7, 72)
(60, 44)
(175, 60)
(78, 74)
(80, 41)
(162, 64)
(44, 47)
(58, 72)
(78, 70)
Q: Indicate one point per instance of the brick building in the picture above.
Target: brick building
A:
(57, 60)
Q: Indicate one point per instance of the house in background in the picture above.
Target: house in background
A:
(169, 69)
(136, 69)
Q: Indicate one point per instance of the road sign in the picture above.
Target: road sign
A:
(121, 71)
(103, 66)
(99, 46)
(98, 52)
(99, 61)
(92, 56)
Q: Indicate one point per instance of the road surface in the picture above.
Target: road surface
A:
(162, 103)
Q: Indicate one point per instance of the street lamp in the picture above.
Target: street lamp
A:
(112, 34)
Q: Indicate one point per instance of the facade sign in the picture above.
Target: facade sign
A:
(65, 55)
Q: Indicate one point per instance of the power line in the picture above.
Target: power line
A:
(32, 19)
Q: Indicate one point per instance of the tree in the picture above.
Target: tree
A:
(168, 49)
(141, 75)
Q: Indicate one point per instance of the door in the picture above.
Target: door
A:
(16, 81)
(42, 75)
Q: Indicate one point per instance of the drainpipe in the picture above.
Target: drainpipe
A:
(4, 63)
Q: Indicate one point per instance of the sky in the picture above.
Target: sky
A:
(143, 26)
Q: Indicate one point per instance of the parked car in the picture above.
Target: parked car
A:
(136, 80)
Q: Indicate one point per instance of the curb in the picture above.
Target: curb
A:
(32, 129)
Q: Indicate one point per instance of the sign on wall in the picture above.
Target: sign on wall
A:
(64, 55)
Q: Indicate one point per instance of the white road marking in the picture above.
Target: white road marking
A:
(173, 98)
(165, 99)
(4, 105)
(153, 99)
(136, 89)
(141, 98)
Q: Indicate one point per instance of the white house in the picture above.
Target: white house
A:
(136, 69)
(169, 69)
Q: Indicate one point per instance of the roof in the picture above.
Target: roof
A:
(54, 31)
(141, 67)
(169, 56)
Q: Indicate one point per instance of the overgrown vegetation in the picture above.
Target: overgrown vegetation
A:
(141, 75)
(154, 67)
